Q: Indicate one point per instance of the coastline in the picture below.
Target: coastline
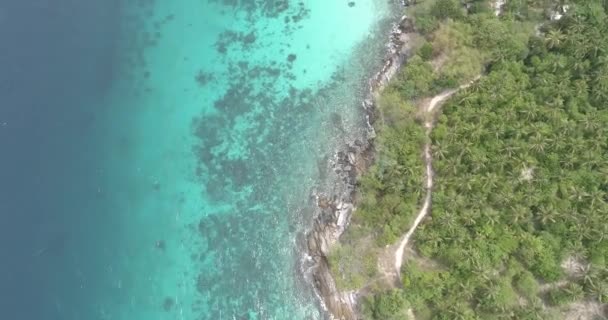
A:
(349, 162)
(548, 285)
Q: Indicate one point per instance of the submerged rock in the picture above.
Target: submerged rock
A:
(160, 245)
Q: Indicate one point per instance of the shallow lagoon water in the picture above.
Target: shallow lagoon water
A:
(189, 186)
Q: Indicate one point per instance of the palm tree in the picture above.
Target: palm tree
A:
(599, 291)
(459, 311)
(577, 194)
(530, 113)
(584, 231)
(438, 151)
(492, 217)
(534, 311)
(554, 39)
(537, 143)
(448, 220)
(590, 122)
(597, 198)
(468, 218)
(467, 291)
(451, 166)
(575, 292)
(520, 214)
(579, 65)
(480, 271)
(577, 27)
(590, 276)
(546, 215)
(431, 238)
(509, 150)
(490, 181)
(600, 231)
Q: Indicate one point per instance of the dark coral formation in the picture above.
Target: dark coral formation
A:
(267, 9)
(203, 78)
(231, 38)
(168, 304)
(246, 163)
(256, 10)
(262, 94)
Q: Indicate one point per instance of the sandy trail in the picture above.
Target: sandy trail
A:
(428, 161)
(421, 215)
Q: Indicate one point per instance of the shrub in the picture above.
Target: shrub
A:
(444, 9)
(415, 79)
(390, 306)
(526, 284)
(426, 51)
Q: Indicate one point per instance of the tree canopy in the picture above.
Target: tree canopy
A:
(520, 160)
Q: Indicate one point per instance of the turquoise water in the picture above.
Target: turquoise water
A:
(196, 174)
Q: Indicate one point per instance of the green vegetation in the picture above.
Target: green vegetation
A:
(352, 266)
(388, 306)
(521, 163)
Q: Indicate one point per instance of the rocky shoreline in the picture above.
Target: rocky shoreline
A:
(348, 164)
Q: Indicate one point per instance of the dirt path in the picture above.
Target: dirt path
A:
(436, 100)
(428, 161)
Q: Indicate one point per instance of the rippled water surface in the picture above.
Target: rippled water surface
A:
(159, 156)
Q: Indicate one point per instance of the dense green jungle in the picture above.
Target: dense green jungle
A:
(518, 226)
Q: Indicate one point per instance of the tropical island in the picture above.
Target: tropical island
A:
(488, 194)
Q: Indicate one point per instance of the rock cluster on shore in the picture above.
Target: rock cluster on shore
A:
(348, 164)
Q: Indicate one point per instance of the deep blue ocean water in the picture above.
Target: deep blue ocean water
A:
(56, 59)
(157, 157)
